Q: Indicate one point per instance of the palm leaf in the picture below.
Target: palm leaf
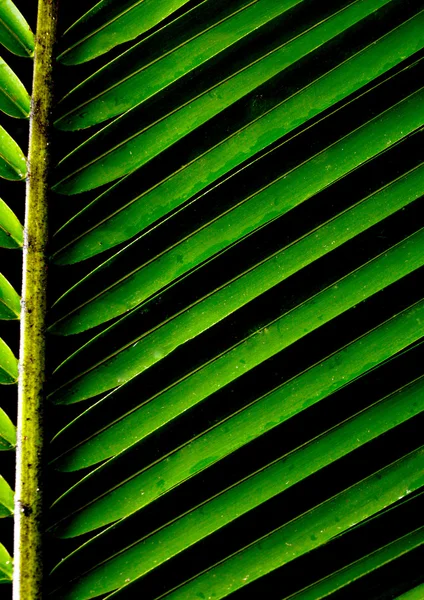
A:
(16, 37)
(15, 33)
(235, 310)
(6, 566)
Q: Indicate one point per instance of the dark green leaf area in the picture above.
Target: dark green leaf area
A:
(294, 150)
(245, 529)
(113, 22)
(308, 531)
(244, 218)
(128, 69)
(11, 230)
(358, 541)
(239, 410)
(214, 409)
(131, 141)
(336, 408)
(247, 253)
(345, 293)
(229, 329)
(257, 411)
(12, 161)
(14, 99)
(392, 576)
(265, 519)
(199, 36)
(243, 391)
(143, 212)
(15, 33)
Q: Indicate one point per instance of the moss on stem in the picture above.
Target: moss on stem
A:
(28, 567)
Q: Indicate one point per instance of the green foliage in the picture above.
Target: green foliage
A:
(16, 37)
(235, 323)
(265, 176)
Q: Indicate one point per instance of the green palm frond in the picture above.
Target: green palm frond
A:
(17, 38)
(235, 309)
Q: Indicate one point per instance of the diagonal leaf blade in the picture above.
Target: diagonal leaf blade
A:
(15, 33)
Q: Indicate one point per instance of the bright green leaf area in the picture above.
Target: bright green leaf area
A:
(142, 147)
(6, 565)
(113, 22)
(140, 84)
(415, 594)
(8, 364)
(362, 283)
(12, 160)
(296, 110)
(7, 432)
(277, 268)
(11, 230)
(6, 498)
(309, 531)
(271, 202)
(15, 33)
(365, 565)
(262, 416)
(250, 493)
(14, 99)
(9, 300)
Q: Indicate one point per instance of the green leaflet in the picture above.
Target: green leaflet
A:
(131, 79)
(7, 432)
(113, 22)
(9, 300)
(15, 33)
(8, 365)
(14, 99)
(274, 100)
(11, 230)
(250, 493)
(290, 190)
(416, 593)
(127, 155)
(365, 565)
(237, 293)
(12, 160)
(137, 81)
(310, 530)
(6, 498)
(263, 415)
(321, 308)
(6, 565)
(337, 84)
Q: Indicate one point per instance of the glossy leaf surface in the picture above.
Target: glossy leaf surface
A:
(11, 230)
(6, 565)
(15, 33)
(358, 569)
(8, 364)
(7, 432)
(12, 160)
(285, 194)
(6, 498)
(233, 503)
(305, 533)
(9, 300)
(236, 367)
(414, 594)
(112, 22)
(144, 209)
(14, 99)
(121, 156)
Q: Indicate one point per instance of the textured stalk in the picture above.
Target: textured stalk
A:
(28, 568)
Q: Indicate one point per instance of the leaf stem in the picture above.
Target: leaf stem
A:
(28, 568)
